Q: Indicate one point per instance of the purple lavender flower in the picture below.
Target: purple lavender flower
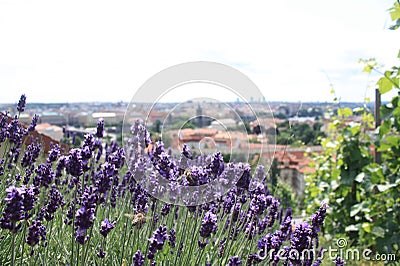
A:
(244, 181)
(217, 164)
(106, 227)
(15, 131)
(229, 201)
(165, 209)
(100, 128)
(74, 165)
(172, 238)
(21, 103)
(103, 184)
(3, 128)
(85, 215)
(253, 259)
(89, 141)
(157, 241)
(55, 201)
(44, 175)
(53, 154)
(31, 154)
(317, 219)
(317, 262)
(273, 210)
(186, 152)
(258, 204)
(271, 242)
(234, 261)
(14, 210)
(138, 259)
(143, 135)
(15, 151)
(339, 262)
(29, 199)
(109, 169)
(300, 240)
(60, 166)
(36, 232)
(34, 122)
(101, 254)
(286, 225)
(70, 213)
(140, 200)
(202, 244)
(117, 158)
(209, 224)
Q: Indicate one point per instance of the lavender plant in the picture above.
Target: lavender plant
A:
(85, 206)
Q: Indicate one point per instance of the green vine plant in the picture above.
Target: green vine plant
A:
(363, 195)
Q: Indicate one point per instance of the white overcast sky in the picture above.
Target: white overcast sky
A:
(75, 51)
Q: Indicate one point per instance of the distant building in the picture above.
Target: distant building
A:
(109, 117)
(223, 124)
(25, 118)
(54, 132)
(54, 118)
(294, 163)
(90, 119)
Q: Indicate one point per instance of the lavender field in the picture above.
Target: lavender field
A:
(84, 206)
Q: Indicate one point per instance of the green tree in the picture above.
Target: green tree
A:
(157, 126)
(274, 174)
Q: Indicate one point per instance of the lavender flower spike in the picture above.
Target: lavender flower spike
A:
(14, 211)
(209, 224)
(21, 103)
(138, 259)
(234, 261)
(106, 227)
(339, 262)
(100, 128)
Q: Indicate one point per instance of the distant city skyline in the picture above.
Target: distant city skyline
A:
(95, 51)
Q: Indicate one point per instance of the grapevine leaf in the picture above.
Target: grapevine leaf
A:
(395, 12)
(384, 85)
